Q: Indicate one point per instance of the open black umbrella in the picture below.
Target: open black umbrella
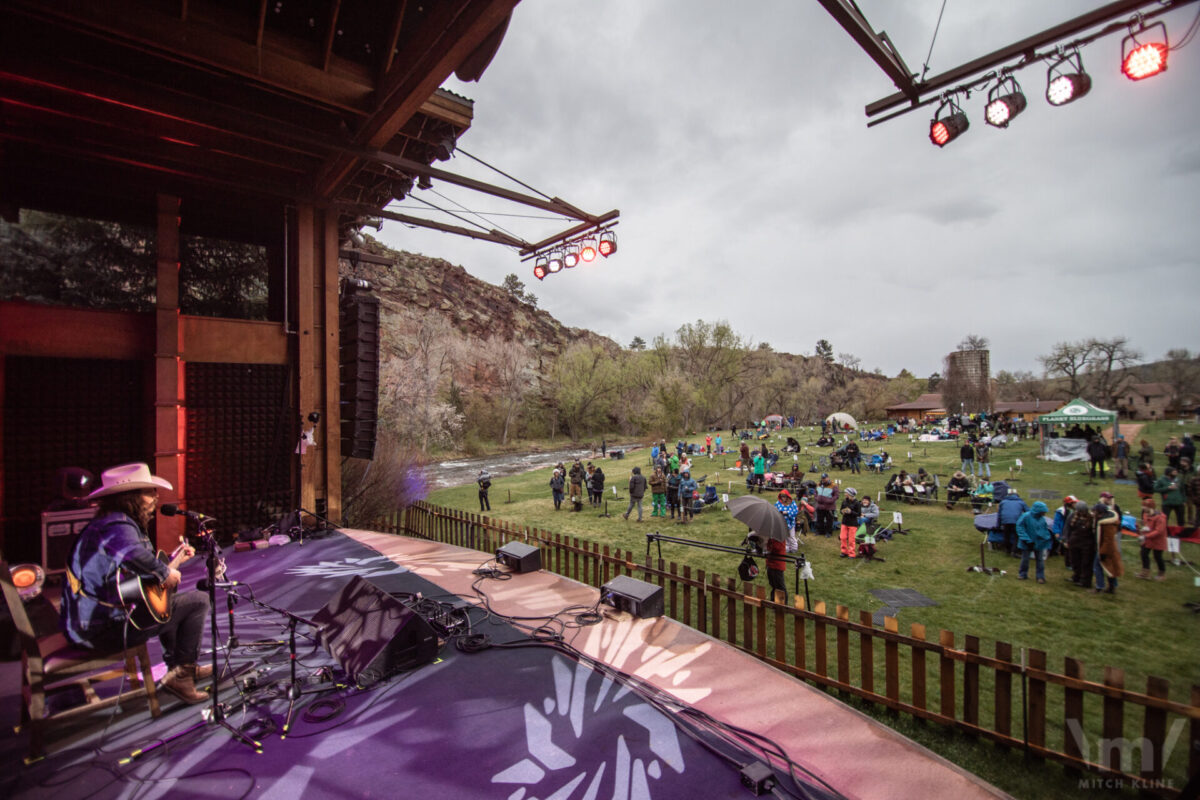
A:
(759, 516)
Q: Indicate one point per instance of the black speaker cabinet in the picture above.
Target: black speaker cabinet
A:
(372, 634)
(641, 599)
(519, 557)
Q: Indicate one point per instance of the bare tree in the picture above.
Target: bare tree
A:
(410, 385)
(849, 361)
(1108, 367)
(1182, 372)
(511, 364)
(1068, 360)
(974, 342)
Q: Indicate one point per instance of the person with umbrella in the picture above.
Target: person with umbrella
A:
(768, 532)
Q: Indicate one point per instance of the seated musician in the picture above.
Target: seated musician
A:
(92, 614)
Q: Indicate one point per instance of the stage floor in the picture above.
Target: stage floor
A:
(517, 722)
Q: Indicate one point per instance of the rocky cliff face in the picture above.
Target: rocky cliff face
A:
(419, 288)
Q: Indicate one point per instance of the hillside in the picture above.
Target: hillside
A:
(419, 288)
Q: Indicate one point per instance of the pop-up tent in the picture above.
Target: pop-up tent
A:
(1078, 411)
(841, 420)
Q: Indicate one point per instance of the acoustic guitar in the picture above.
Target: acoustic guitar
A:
(146, 601)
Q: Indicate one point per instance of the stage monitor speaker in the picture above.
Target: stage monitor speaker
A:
(519, 557)
(372, 634)
(639, 598)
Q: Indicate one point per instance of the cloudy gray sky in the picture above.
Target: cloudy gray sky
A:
(733, 140)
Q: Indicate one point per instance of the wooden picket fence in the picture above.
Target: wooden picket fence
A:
(1012, 699)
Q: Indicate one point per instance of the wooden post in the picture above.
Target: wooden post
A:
(843, 647)
(307, 343)
(170, 428)
(946, 674)
(820, 644)
(800, 642)
(1114, 718)
(917, 631)
(866, 654)
(1073, 712)
(1037, 701)
(971, 682)
(687, 595)
(702, 600)
(1154, 730)
(891, 660)
(330, 329)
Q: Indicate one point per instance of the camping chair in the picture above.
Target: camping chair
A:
(52, 662)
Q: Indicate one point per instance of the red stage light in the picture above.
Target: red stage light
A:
(588, 251)
(539, 272)
(947, 129)
(608, 243)
(1145, 61)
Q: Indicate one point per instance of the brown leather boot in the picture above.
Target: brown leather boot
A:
(203, 672)
(181, 682)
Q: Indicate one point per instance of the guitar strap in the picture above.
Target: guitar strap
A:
(77, 590)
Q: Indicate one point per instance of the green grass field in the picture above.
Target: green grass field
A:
(1143, 629)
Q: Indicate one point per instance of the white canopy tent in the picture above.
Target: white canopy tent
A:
(841, 420)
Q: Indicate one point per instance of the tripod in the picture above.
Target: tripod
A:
(294, 692)
(216, 714)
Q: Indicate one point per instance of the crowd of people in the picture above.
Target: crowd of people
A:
(1086, 536)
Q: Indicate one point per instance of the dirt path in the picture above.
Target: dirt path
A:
(1130, 431)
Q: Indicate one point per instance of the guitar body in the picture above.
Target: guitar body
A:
(146, 603)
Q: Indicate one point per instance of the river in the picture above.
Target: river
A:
(463, 471)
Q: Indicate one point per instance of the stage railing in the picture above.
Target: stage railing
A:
(1144, 739)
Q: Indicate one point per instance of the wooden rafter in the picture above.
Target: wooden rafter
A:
(451, 33)
(335, 9)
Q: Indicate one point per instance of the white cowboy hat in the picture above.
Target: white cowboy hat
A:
(128, 478)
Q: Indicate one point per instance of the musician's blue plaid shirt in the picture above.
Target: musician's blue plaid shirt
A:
(90, 604)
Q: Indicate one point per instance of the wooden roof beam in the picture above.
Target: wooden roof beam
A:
(452, 32)
(331, 33)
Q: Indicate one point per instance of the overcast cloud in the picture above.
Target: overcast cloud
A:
(733, 140)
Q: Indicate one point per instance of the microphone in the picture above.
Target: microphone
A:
(171, 510)
(203, 586)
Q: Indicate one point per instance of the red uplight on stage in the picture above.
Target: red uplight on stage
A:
(1144, 60)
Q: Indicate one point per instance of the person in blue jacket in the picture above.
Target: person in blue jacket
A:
(1033, 535)
(1008, 513)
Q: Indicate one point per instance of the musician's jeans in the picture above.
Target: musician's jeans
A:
(180, 635)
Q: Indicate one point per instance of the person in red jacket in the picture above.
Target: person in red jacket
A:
(1153, 536)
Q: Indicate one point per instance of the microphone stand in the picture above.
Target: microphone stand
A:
(294, 692)
(217, 712)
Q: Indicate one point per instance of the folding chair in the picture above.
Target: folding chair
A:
(52, 662)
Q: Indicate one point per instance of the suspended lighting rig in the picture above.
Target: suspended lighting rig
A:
(1144, 53)
(571, 244)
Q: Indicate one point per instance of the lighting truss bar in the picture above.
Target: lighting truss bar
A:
(1025, 48)
(554, 205)
(531, 250)
(493, 235)
(878, 46)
